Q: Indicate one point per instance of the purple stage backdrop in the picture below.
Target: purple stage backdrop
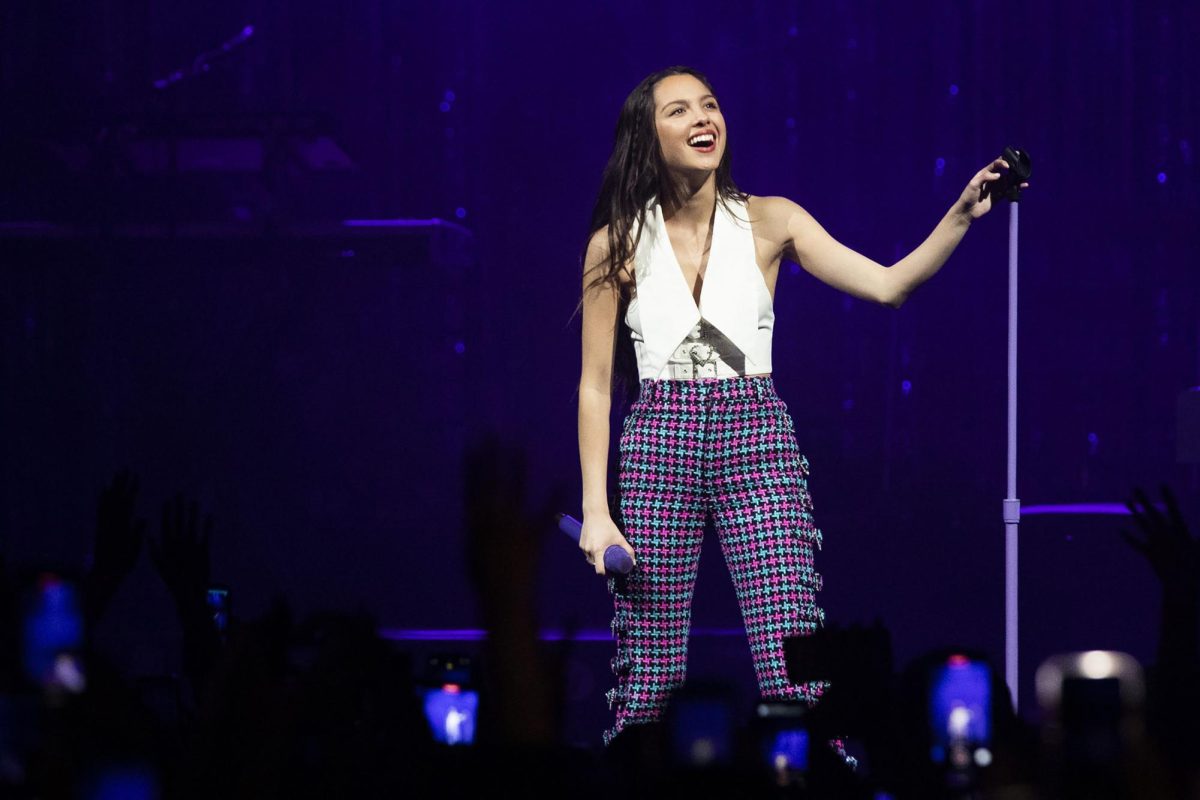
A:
(181, 294)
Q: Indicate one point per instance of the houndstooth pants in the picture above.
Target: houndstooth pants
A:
(725, 447)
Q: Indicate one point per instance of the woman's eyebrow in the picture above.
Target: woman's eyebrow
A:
(684, 101)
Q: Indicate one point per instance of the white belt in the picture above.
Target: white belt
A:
(697, 358)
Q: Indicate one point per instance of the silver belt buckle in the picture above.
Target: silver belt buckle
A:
(696, 360)
(704, 357)
(682, 372)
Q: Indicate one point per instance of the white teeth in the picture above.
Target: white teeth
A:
(707, 138)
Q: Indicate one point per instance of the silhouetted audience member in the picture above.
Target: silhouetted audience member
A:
(324, 708)
(521, 731)
(116, 546)
(1173, 681)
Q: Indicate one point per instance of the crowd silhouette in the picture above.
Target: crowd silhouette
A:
(323, 707)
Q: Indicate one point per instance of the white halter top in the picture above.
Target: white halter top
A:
(734, 302)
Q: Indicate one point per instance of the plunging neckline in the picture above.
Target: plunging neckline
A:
(690, 290)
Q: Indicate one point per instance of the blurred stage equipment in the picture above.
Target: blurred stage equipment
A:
(324, 363)
(226, 172)
(1093, 722)
(204, 62)
(168, 169)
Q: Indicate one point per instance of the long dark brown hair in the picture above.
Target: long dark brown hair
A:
(637, 171)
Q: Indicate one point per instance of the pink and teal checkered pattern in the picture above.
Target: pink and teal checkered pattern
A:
(724, 447)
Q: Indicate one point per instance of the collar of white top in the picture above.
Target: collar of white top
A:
(734, 297)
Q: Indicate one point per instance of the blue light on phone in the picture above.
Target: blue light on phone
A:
(451, 713)
(960, 704)
(703, 731)
(790, 750)
(122, 782)
(52, 627)
(218, 604)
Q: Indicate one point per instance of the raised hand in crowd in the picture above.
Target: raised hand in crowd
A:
(181, 553)
(1173, 698)
(117, 544)
(1166, 544)
(181, 557)
(1174, 555)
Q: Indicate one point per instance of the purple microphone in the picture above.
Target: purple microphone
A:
(615, 557)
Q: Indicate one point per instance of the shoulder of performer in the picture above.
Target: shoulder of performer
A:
(771, 215)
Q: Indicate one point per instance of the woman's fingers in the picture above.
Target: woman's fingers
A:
(985, 175)
(994, 167)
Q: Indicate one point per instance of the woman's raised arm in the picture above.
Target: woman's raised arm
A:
(842, 268)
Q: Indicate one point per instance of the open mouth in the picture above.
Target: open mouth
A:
(704, 142)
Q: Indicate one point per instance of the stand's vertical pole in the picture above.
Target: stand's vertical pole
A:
(1012, 506)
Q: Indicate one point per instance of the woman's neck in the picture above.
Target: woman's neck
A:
(695, 206)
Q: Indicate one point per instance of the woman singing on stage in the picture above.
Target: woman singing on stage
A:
(692, 263)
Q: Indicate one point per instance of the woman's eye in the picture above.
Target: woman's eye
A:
(680, 108)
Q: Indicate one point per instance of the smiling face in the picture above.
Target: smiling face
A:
(683, 108)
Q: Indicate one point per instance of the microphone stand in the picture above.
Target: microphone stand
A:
(1019, 169)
